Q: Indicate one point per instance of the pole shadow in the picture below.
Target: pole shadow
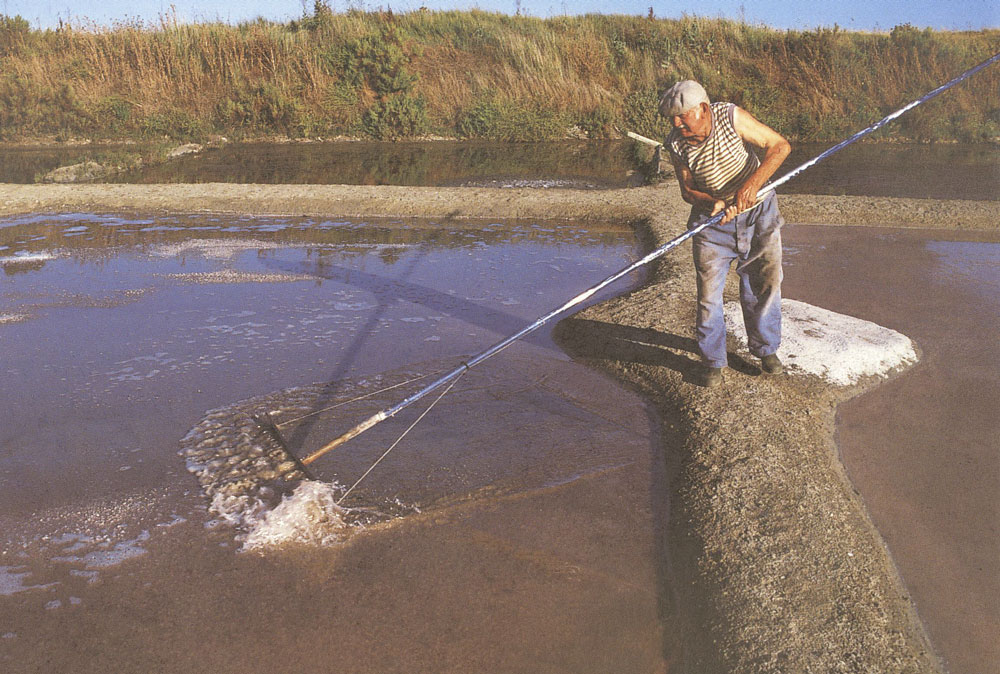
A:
(386, 291)
(598, 340)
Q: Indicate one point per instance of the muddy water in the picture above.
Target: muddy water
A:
(923, 448)
(529, 528)
(25, 164)
(942, 171)
(574, 164)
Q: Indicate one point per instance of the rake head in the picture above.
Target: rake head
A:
(266, 423)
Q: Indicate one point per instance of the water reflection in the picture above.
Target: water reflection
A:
(949, 171)
(941, 171)
(443, 163)
(27, 243)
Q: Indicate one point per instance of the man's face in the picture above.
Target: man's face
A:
(695, 124)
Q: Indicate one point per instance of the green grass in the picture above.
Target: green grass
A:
(478, 74)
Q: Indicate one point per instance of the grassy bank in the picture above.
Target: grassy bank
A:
(477, 74)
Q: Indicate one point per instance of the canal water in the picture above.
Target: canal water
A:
(939, 171)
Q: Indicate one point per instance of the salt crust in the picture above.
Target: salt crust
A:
(233, 276)
(215, 249)
(22, 258)
(837, 348)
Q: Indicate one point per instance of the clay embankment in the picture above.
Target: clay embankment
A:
(777, 563)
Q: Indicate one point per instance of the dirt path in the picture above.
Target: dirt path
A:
(470, 202)
(784, 570)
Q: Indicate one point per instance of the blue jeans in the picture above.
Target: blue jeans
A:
(753, 240)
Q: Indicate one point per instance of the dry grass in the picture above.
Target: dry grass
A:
(329, 74)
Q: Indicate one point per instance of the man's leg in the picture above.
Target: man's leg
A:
(760, 280)
(713, 255)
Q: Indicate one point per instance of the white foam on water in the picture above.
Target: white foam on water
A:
(82, 541)
(837, 348)
(309, 516)
(96, 554)
(233, 276)
(12, 318)
(118, 553)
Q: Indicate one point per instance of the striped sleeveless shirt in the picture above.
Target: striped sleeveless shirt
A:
(723, 161)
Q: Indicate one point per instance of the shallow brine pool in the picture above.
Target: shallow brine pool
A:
(922, 448)
(137, 348)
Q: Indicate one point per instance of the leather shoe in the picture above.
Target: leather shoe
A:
(712, 376)
(772, 364)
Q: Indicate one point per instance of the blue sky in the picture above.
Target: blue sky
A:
(849, 14)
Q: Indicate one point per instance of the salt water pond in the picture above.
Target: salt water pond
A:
(120, 335)
(922, 449)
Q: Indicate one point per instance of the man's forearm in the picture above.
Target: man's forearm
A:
(774, 157)
(698, 198)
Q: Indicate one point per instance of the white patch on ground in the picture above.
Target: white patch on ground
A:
(840, 349)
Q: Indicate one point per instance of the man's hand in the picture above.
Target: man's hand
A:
(745, 199)
(746, 196)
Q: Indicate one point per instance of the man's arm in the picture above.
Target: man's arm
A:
(776, 149)
(690, 193)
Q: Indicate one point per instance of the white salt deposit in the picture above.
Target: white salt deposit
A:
(840, 349)
(233, 276)
(214, 249)
(23, 257)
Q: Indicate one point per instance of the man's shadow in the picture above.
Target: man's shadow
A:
(598, 340)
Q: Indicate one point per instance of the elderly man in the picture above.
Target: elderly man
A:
(712, 149)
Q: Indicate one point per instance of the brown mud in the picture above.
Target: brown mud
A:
(778, 564)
